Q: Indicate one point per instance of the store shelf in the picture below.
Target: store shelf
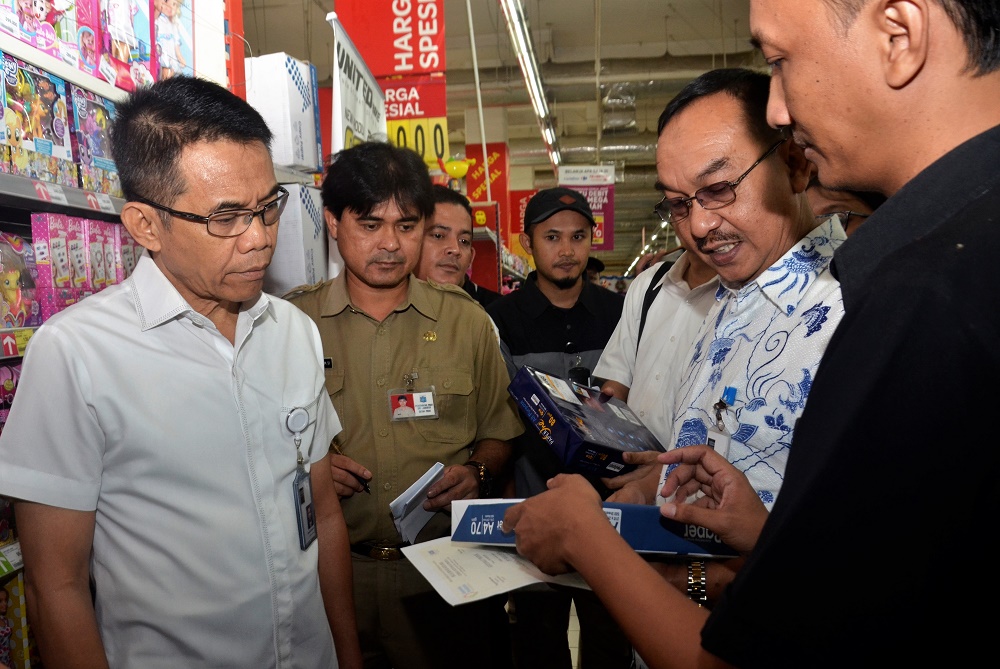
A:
(13, 341)
(70, 73)
(35, 195)
(286, 175)
(10, 559)
(511, 272)
(483, 234)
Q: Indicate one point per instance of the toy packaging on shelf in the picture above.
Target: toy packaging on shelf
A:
(285, 92)
(21, 643)
(174, 28)
(18, 277)
(10, 374)
(129, 251)
(91, 117)
(127, 58)
(59, 246)
(36, 124)
(300, 255)
(88, 31)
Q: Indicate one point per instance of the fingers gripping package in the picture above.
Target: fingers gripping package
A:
(586, 430)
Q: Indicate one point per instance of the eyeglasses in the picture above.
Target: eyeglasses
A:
(230, 222)
(713, 196)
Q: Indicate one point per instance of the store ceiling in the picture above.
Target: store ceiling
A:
(648, 50)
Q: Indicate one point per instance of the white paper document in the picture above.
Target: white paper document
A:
(463, 572)
(408, 511)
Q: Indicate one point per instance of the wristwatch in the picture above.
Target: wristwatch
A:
(697, 582)
(483, 476)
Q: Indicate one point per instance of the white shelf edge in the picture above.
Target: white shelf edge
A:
(483, 234)
(49, 63)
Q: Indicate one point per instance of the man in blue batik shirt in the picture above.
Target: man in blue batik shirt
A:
(734, 192)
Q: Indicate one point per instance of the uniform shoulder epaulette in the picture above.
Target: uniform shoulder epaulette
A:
(302, 290)
(450, 288)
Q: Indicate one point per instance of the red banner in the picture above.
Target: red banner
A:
(396, 37)
(414, 97)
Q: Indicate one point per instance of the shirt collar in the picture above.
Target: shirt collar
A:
(947, 185)
(158, 301)
(418, 295)
(786, 282)
(535, 302)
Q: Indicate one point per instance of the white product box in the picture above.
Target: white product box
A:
(285, 92)
(301, 254)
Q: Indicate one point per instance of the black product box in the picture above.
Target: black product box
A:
(587, 431)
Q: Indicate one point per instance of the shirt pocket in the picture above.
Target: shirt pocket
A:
(455, 403)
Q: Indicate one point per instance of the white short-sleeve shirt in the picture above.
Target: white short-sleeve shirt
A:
(133, 405)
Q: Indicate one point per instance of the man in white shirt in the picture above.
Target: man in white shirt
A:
(169, 440)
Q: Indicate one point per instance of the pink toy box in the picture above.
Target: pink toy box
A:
(129, 252)
(127, 58)
(61, 248)
(36, 123)
(10, 373)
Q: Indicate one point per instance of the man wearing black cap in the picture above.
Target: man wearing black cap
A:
(594, 268)
(557, 322)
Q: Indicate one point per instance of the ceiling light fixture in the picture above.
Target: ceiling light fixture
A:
(520, 36)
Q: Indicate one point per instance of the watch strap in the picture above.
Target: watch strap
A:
(697, 589)
(484, 477)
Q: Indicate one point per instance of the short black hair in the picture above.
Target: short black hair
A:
(445, 195)
(749, 87)
(368, 174)
(155, 123)
(977, 20)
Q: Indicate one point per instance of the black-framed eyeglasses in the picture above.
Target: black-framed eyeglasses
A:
(713, 196)
(230, 222)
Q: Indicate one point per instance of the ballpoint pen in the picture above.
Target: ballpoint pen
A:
(363, 482)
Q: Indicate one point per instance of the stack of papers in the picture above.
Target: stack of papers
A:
(408, 511)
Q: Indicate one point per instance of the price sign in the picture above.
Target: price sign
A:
(53, 192)
(427, 136)
(105, 203)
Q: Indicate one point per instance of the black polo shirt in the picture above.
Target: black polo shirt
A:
(876, 551)
(530, 324)
(484, 296)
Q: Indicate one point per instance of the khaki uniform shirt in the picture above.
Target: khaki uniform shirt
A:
(444, 336)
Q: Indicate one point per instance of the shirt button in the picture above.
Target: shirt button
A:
(657, 377)
(380, 381)
(386, 486)
(641, 414)
(673, 338)
(447, 384)
(198, 324)
(381, 331)
(383, 432)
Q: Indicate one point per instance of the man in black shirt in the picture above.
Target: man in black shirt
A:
(448, 252)
(557, 322)
(872, 555)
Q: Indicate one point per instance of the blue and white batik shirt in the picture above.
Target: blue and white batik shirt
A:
(760, 347)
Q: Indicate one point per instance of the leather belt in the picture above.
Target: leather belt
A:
(379, 552)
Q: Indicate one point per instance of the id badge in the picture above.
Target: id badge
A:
(407, 404)
(305, 512)
(718, 441)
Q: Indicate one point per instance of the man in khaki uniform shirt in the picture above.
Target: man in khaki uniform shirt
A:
(386, 333)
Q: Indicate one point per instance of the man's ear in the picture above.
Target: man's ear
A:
(331, 222)
(144, 224)
(799, 169)
(473, 259)
(526, 243)
(905, 35)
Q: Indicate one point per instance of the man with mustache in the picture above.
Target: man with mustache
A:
(557, 322)
(387, 334)
(890, 470)
(448, 252)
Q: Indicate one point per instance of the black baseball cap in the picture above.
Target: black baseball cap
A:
(549, 201)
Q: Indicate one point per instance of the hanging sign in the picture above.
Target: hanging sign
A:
(597, 184)
(416, 114)
(397, 37)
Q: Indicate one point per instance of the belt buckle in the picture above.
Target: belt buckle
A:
(384, 553)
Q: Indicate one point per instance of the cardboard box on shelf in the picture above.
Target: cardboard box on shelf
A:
(301, 254)
(285, 92)
(587, 431)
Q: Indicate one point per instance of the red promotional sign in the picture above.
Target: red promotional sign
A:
(396, 37)
(414, 97)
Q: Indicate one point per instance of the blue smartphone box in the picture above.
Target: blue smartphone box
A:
(586, 430)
